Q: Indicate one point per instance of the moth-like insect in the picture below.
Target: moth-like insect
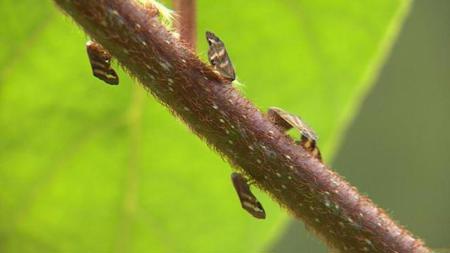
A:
(218, 57)
(100, 60)
(286, 121)
(248, 201)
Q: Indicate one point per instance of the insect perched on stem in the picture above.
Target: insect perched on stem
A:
(218, 57)
(100, 60)
(248, 201)
(286, 121)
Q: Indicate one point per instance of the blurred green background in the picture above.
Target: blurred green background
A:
(89, 167)
(397, 148)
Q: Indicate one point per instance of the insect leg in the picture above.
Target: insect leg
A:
(100, 60)
(248, 201)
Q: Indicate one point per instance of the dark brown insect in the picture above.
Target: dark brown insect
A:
(286, 121)
(248, 200)
(218, 57)
(100, 60)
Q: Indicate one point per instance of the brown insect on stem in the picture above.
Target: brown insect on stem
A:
(100, 61)
(232, 125)
(218, 57)
(248, 200)
(286, 121)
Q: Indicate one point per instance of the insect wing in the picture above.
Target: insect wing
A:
(246, 197)
(299, 124)
(100, 61)
(287, 121)
(218, 57)
(274, 115)
(293, 121)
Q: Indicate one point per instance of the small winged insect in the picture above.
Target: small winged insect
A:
(286, 121)
(100, 60)
(248, 200)
(218, 57)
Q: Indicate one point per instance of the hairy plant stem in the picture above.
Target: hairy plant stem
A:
(185, 21)
(230, 124)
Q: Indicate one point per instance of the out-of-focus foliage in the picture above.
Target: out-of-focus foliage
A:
(396, 149)
(89, 167)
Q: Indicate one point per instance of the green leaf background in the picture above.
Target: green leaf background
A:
(89, 167)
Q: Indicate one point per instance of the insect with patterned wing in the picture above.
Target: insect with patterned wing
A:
(248, 201)
(218, 57)
(286, 121)
(100, 60)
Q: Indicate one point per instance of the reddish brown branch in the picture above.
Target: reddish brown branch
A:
(215, 111)
(185, 21)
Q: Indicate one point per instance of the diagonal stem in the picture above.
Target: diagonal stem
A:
(233, 126)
